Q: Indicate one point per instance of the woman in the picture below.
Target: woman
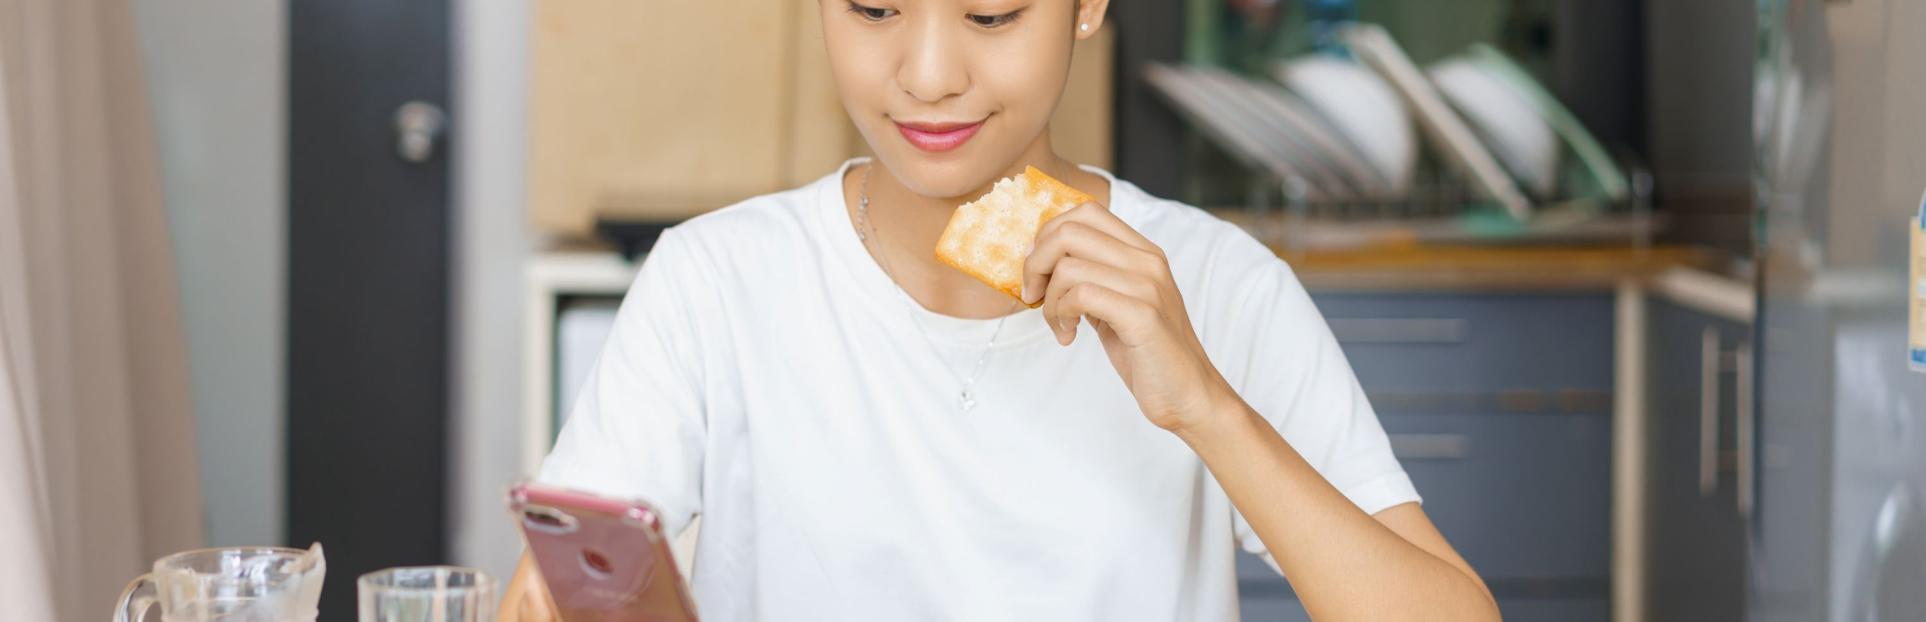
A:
(870, 435)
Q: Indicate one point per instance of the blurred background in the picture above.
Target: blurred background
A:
(1626, 280)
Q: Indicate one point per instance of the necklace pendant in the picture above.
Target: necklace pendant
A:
(966, 400)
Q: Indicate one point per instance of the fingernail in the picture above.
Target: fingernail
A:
(1026, 295)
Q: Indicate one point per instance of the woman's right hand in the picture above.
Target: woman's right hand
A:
(527, 598)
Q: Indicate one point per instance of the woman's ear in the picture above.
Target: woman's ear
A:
(1090, 16)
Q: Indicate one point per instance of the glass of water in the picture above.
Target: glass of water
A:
(427, 594)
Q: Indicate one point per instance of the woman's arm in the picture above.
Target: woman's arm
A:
(1343, 563)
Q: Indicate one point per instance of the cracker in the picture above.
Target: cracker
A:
(990, 238)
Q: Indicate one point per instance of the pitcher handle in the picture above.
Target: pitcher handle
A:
(139, 596)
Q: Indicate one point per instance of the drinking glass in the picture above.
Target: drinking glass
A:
(426, 594)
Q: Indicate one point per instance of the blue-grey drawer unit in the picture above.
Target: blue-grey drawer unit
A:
(1499, 407)
(1474, 343)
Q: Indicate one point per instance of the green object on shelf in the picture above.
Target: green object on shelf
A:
(1219, 35)
(1200, 32)
(1490, 221)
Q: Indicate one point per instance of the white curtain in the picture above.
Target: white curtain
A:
(97, 456)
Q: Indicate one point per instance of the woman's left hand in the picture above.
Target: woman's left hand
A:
(1089, 263)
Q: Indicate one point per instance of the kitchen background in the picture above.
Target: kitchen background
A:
(1539, 228)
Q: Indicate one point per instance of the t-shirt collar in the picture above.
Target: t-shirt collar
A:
(1024, 327)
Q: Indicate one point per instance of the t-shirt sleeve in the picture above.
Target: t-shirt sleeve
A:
(1275, 347)
(638, 427)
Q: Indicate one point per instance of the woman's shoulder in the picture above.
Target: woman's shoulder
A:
(763, 218)
(1188, 234)
(771, 227)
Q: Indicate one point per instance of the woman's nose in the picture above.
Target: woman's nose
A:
(933, 69)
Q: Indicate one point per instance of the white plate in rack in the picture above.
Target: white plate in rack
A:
(1441, 125)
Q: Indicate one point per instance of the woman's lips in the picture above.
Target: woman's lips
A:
(937, 137)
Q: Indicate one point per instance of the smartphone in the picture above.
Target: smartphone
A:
(603, 559)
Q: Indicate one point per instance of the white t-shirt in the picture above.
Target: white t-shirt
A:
(765, 373)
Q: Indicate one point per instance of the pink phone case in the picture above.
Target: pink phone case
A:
(604, 560)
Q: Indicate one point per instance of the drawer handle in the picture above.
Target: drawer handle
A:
(1709, 412)
(1430, 446)
(1747, 483)
(1398, 330)
(1564, 401)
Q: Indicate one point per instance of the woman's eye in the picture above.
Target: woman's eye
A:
(994, 21)
(874, 14)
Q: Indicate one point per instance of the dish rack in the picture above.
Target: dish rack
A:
(1441, 207)
(1304, 190)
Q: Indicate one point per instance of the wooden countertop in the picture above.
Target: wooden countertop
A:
(1382, 267)
(1501, 268)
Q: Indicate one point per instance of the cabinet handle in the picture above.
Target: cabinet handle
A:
(1404, 330)
(418, 125)
(1743, 429)
(1709, 412)
(1410, 446)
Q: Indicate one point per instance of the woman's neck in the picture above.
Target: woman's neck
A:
(907, 226)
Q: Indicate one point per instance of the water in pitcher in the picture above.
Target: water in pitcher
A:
(235, 609)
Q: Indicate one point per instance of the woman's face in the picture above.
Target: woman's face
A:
(950, 94)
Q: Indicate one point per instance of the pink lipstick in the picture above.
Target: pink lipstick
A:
(937, 136)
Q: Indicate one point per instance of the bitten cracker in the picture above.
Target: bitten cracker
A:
(989, 238)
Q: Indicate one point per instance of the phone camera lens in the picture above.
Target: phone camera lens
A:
(597, 562)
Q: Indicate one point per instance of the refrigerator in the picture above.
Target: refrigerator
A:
(1834, 481)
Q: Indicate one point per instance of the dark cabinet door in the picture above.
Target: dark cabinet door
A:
(1696, 534)
(368, 220)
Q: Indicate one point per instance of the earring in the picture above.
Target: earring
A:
(1084, 27)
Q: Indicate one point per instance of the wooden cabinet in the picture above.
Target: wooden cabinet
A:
(1696, 543)
(664, 109)
(661, 110)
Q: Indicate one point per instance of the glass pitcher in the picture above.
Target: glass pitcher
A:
(259, 584)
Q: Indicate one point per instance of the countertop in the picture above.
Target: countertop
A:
(1387, 267)
(1501, 268)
